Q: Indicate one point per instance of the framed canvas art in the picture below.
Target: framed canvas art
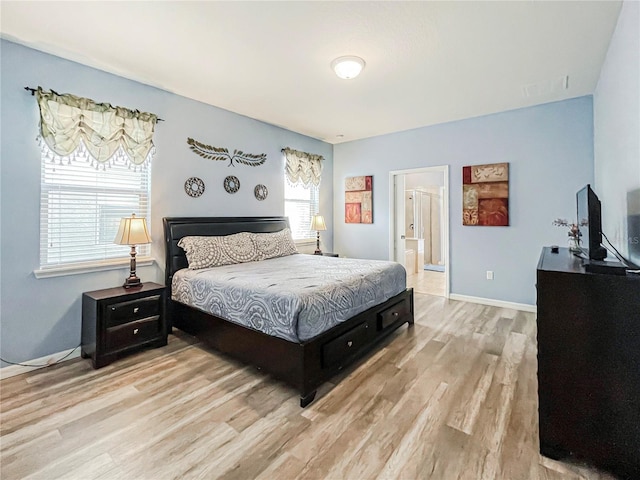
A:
(485, 195)
(358, 199)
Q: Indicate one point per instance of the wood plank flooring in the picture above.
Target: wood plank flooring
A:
(453, 397)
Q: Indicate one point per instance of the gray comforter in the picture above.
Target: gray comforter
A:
(295, 297)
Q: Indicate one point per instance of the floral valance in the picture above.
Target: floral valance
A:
(71, 125)
(302, 167)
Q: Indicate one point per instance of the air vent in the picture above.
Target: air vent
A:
(546, 87)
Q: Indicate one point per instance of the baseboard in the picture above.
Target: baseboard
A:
(35, 364)
(525, 307)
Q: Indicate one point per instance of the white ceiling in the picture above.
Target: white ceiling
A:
(426, 62)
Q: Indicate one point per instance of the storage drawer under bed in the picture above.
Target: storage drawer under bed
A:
(390, 315)
(340, 348)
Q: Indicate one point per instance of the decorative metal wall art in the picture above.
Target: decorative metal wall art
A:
(220, 153)
(231, 184)
(485, 195)
(260, 192)
(194, 187)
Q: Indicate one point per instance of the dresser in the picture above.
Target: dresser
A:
(117, 321)
(588, 364)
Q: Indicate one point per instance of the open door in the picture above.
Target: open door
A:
(399, 244)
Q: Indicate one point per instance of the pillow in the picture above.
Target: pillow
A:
(276, 244)
(210, 251)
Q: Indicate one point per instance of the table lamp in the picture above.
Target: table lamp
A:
(132, 231)
(317, 224)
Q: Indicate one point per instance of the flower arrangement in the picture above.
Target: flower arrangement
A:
(574, 232)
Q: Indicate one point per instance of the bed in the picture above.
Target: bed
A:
(301, 357)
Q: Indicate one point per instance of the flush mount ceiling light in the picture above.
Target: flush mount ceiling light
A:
(347, 67)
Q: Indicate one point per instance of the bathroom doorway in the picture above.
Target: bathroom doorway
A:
(419, 236)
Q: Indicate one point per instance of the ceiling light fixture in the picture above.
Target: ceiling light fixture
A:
(347, 67)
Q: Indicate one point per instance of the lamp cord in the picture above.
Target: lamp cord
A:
(41, 365)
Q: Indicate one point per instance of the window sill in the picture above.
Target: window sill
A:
(90, 267)
(306, 241)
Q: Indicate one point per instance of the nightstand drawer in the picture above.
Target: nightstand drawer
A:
(393, 313)
(131, 334)
(124, 312)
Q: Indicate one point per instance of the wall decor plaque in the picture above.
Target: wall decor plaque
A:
(221, 153)
(194, 187)
(260, 192)
(485, 195)
(231, 184)
(358, 199)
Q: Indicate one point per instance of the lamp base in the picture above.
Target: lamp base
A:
(132, 282)
(318, 252)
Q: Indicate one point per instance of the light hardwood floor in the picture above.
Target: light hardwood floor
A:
(428, 282)
(453, 397)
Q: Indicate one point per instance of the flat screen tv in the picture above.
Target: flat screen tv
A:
(590, 224)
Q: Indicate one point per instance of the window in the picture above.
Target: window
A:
(81, 207)
(300, 204)
(302, 175)
(94, 171)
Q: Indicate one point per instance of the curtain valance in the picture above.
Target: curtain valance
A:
(302, 167)
(71, 125)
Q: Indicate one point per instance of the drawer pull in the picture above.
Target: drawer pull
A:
(135, 310)
(395, 314)
(349, 343)
(135, 331)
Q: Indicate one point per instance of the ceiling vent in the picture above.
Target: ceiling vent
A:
(546, 87)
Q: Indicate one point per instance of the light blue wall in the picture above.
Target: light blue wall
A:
(617, 134)
(40, 317)
(550, 153)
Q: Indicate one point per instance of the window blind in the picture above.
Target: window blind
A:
(300, 204)
(81, 207)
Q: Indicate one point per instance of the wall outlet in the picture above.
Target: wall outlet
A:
(489, 275)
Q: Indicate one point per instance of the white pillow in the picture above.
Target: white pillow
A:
(211, 251)
(276, 244)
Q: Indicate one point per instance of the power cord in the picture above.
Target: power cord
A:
(618, 254)
(50, 364)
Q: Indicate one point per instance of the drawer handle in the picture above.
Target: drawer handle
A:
(135, 331)
(135, 310)
(349, 343)
(395, 314)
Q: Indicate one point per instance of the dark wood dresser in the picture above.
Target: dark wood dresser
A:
(588, 364)
(117, 321)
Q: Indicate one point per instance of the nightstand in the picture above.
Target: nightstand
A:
(118, 321)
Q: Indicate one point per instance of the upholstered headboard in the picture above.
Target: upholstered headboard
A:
(177, 227)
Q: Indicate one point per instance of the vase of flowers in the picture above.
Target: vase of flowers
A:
(573, 233)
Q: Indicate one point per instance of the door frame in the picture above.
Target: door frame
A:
(445, 215)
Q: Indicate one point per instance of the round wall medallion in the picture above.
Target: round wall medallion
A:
(194, 187)
(260, 192)
(231, 184)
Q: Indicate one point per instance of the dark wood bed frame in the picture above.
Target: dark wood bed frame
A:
(306, 365)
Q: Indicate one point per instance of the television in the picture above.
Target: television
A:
(590, 224)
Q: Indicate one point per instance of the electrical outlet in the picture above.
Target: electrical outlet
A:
(489, 275)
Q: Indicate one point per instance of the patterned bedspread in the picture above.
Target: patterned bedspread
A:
(296, 297)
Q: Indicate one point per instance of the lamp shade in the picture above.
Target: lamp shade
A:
(317, 223)
(132, 231)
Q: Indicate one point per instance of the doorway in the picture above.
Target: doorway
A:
(419, 227)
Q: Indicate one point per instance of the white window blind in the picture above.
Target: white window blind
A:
(300, 204)
(81, 207)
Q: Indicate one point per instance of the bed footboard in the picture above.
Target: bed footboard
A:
(304, 366)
